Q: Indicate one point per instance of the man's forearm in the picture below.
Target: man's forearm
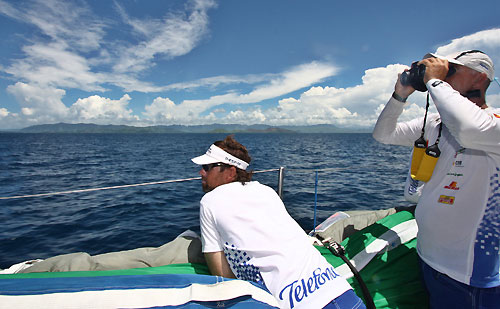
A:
(218, 265)
(387, 122)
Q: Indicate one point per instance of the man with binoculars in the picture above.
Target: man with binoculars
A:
(457, 153)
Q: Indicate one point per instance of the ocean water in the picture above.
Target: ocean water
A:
(354, 172)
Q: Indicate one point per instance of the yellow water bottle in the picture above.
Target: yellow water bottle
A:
(428, 163)
(418, 153)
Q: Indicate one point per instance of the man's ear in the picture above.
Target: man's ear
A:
(231, 173)
(480, 81)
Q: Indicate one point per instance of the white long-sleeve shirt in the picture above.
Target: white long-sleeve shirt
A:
(458, 213)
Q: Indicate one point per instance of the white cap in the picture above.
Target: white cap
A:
(215, 154)
(474, 59)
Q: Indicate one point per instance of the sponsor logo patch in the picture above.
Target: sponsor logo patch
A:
(444, 199)
(452, 186)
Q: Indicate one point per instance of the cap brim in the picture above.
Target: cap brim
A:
(451, 60)
(204, 159)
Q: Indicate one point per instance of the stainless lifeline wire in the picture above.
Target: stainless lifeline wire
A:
(326, 169)
(113, 187)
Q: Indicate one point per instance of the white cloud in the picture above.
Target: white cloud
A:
(351, 107)
(163, 110)
(62, 21)
(4, 112)
(486, 40)
(10, 120)
(160, 111)
(215, 81)
(59, 53)
(96, 109)
(27, 111)
(44, 106)
(38, 105)
(256, 116)
(296, 78)
(53, 65)
(43, 102)
(173, 36)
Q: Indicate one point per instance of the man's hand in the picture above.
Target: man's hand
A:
(401, 90)
(435, 68)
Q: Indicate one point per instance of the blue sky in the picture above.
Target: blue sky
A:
(153, 62)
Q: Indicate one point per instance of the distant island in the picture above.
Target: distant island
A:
(212, 128)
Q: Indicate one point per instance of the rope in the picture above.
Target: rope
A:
(114, 187)
(98, 189)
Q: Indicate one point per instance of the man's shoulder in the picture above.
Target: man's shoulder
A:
(236, 189)
(237, 186)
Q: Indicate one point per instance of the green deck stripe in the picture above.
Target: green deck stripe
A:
(187, 268)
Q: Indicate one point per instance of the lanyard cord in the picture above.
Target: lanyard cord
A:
(439, 134)
(425, 117)
(425, 120)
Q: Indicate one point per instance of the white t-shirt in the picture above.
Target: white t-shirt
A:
(458, 213)
(263, 244)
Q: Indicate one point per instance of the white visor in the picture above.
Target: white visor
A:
(215, 154)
